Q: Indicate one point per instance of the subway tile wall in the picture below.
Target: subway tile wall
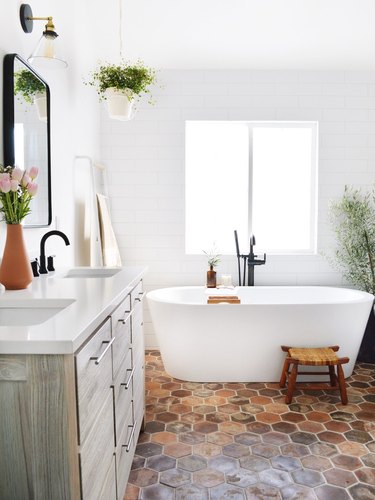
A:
(145, 160)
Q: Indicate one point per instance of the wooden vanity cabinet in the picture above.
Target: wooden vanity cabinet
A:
(129, 386)
(69, 424)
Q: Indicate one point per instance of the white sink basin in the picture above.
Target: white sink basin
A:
(92, 272)
(27, 312)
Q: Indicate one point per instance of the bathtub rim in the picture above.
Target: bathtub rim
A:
(359, 296)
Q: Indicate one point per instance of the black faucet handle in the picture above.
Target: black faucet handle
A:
(50, 263)
(35, 267)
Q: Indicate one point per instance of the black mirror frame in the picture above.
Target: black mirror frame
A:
(8, 122)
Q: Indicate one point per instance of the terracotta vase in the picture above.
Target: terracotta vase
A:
(15, 269)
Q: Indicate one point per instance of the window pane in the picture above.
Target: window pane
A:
(282, 216)
(217, 162)
(276, 161)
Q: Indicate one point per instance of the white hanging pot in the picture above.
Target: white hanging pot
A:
(119, 103)
(40, 101)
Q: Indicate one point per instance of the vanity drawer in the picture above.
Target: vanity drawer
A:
(94, 378)
(136, 294)
(125, 452)
(137, 336)
(139, 393)
(122, 331)
(123, 393)
(96, 454)
(109, 490)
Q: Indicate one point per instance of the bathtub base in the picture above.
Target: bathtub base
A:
(242, 342)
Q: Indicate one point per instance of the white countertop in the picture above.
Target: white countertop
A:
(93, 300)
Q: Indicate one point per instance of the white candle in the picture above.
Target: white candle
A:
(226, 279)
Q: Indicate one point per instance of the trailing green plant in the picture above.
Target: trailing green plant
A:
(213, 257)
(27, 85)
(353, 221)
(136, 77)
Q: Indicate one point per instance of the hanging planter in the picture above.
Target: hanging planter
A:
(121, 86)
(119, 103)
(40, 101)
(32, 91)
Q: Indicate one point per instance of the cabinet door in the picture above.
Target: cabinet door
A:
(125, 452)
(138, 357)
(139, 396)
(122, 333)
(123, 393)
(136, 323)
(94, 378)
(109, 490)
(96, 454)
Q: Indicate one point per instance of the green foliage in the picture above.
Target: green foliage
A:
(353, 221)
(136, 77)
(213, 256)
(27, 85)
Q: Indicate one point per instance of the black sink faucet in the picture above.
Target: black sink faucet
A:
(42, 259)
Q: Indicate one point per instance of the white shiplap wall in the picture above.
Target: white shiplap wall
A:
(145, 159)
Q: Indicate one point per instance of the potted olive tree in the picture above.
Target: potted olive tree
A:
(121, 85)
(32, 90)
(353, 221)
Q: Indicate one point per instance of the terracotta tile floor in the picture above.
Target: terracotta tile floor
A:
(240, 441)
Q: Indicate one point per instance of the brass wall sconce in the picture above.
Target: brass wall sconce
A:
(44, 55)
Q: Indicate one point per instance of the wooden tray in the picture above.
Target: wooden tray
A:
(227, 299)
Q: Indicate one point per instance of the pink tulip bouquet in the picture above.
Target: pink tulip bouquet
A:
(17, 188)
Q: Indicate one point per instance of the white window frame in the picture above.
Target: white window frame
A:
(313, 126)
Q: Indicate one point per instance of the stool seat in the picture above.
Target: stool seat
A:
(313, 356)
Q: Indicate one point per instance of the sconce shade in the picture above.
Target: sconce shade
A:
(45, 55)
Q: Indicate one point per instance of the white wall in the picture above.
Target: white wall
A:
(74, 108)
(146, 163)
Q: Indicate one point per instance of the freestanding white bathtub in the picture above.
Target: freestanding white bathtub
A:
(203, 342)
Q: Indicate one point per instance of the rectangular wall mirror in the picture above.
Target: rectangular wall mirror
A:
(26, 129)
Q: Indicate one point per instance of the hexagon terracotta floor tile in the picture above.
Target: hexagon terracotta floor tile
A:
(213, 441)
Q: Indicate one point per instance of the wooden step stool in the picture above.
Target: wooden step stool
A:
(316, 356)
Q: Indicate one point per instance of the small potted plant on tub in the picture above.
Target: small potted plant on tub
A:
(121, 85)
(213, 261)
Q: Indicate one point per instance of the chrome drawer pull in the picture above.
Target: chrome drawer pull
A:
(98, 359)
(127, 383)
(129, 314)
(139, 299)
(128, 445)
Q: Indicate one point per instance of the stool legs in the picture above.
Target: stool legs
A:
(342, 386)
(332, 376)
(284, 372)
(335, 381)
(291, 383)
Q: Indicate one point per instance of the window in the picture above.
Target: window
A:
(256, 177)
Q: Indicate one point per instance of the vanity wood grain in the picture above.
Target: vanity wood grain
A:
(64, 434)
(37, 429)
